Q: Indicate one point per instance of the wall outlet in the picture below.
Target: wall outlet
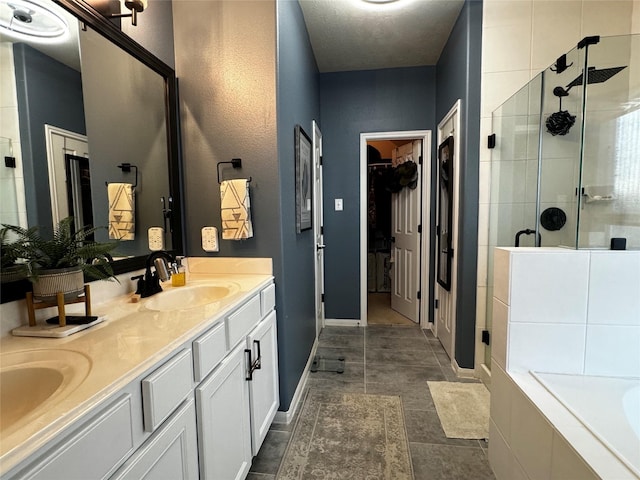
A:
(339, 204)
(156, 238)
(210, 239)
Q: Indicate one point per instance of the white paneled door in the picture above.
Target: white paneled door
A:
(405, 221)
(59, 143)
(317, 226)
(445, 291)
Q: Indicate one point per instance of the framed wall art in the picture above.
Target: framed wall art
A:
(304, 186)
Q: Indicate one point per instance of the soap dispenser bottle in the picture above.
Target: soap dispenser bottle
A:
(179, 277)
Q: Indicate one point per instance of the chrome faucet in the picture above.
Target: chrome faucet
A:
(149, 283)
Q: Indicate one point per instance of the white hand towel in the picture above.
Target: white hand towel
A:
(235, 209)
(121, 211)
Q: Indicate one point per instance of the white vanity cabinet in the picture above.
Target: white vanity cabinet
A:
(237, 402)
(223, 420)
(263, 386)
(171, 452)
(93, 449)
(202, 412)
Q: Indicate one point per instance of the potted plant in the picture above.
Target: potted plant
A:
(12, 251)
(58, 264)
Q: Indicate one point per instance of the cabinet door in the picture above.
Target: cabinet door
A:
(94, 451)
(263, 387)
(224, 434)
(171, 452)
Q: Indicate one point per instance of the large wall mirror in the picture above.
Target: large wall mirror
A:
(88, 112)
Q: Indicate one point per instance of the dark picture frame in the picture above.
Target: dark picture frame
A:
(304, 186)
(445, 213)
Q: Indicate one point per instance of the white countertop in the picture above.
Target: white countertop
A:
(128, 343)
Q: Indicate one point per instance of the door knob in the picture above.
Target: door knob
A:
(320, 246)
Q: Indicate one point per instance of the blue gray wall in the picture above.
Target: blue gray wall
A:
(298, 103)
(458, 77)
(352, 103)
(48, 92)
(246, 78)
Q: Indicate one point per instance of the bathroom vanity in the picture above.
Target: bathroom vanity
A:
(181, 385)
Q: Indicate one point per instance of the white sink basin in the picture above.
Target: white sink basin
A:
(182, 298)
(31, 379)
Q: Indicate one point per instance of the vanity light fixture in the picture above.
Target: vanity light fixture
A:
(136, 6)
(32, 21)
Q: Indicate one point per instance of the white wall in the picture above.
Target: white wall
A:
(520, 39)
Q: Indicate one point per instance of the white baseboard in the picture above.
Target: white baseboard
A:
(462, 372)
(484, 374)
(344, 322)
(287, 417)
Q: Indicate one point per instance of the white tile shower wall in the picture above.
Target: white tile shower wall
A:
(567, 311)
(546, 29)
(613, 350)
(549, 285)
(614, 288)
(546, 347)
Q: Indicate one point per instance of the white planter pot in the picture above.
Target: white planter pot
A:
(69, 281)
(13, 274)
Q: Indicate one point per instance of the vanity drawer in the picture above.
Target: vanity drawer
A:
(95, 451)
(268, 299)
(240, 323)
(209, 350)
(165, 389)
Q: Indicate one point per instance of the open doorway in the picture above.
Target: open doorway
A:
(394, 199)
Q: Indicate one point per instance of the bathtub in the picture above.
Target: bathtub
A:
(608, 407)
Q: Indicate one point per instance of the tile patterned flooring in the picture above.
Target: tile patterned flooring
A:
(390, 360)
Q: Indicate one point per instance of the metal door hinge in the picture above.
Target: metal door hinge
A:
(419, 295)
(486, 337)
(435, 303)
(322, 297)
(322, 230)
(320, 159)
(419, 228)
(491, 141)
(420, 160)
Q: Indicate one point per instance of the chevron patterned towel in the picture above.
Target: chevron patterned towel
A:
(121, 211)
(235, 209)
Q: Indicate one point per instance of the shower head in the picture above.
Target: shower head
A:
(595, 76)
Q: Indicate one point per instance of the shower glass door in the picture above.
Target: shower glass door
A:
(514, 178)
(610, 189)
(561, 134)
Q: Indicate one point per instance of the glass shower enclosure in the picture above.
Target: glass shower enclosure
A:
(565, 169)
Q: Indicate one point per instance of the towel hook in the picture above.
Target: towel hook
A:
(235, 163)
(126, 168)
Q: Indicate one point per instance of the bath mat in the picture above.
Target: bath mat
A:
(348, 435)
(463, 408)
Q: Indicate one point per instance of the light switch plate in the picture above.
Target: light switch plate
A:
(210, 239)
(338, 204)
(156, 238)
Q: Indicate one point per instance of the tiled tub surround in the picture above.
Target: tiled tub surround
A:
(561, 311)
(128, 343)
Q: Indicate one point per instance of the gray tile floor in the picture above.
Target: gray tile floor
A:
(390, 360)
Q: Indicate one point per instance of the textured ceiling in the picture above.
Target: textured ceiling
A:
(353, 35)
